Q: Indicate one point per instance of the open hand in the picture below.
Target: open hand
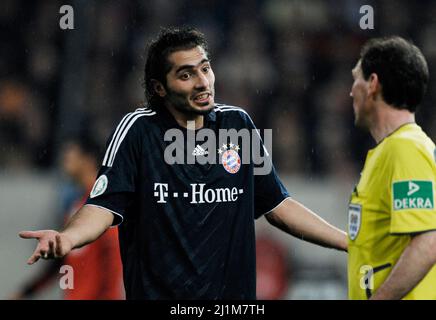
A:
(51, 244)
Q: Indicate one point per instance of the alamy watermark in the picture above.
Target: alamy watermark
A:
(367, 20)
(67, 280)
(67, 20)
(231, 148)
(367, 280)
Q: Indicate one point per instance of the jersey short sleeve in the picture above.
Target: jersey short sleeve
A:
(116, 180)
(269, 191)
(412, 187)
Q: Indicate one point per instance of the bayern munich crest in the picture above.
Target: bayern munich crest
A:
(230, 157)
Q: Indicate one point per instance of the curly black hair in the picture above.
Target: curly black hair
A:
(157, 65)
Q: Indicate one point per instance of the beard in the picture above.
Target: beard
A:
(189, 111)
(181, 103)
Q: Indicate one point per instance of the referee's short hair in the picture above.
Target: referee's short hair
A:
(157, 65)
(401, 69)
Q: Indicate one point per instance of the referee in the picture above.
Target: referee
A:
(186, 230)
(392, 214)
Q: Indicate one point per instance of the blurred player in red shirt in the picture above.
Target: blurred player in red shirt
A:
(272, 269)
(97, 266)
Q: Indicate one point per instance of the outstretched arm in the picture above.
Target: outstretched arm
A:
(84, 227)
(415, 262)
(297, 220)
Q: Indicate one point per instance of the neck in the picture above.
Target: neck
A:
(388, 119)
(182, 118)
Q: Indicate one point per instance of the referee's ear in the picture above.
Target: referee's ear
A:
(158, 88)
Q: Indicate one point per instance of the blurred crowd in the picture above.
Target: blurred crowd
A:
(287, 62)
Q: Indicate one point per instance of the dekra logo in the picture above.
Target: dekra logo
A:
(413, 194)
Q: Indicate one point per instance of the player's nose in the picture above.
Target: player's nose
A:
(202, 81)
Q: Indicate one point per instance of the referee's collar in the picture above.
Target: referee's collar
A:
(170, 122)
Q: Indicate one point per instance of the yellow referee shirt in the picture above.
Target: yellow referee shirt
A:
(394, 198)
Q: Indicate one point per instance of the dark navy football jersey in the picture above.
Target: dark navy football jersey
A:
(186, 229)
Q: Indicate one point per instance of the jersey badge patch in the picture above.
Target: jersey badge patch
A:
(354, 220)
(100, 186)
(412, 194)
(230, 157)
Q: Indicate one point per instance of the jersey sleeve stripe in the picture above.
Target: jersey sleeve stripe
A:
(224, 109)
(109, 149)
(120, 127)
(123, 135)
(124, 125)
(120, 132)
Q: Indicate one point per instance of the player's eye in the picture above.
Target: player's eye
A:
(185, 76)
(206, 69)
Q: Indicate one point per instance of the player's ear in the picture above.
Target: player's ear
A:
(374, 86)
(158, 88)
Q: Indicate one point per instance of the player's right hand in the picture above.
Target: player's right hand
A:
(51, 244)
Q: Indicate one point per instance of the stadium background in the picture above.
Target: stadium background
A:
(287, 62)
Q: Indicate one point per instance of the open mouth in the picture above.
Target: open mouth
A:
(202, 98)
